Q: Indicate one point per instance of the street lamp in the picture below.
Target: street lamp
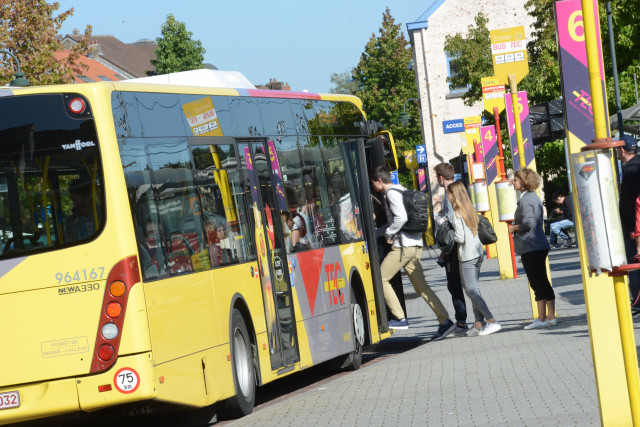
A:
(404, 117)
(19, 79)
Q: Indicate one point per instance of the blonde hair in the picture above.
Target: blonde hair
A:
(529, 179)
(462, 205)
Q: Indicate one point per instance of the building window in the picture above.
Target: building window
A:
(452, 72)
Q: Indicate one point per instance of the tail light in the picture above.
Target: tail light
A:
(121, 278)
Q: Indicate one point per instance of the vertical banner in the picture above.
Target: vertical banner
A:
(572, 53)
(490, 151)
(277, 177)
(422, 180)
(525, 123)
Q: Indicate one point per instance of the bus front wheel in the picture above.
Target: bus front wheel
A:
(243, 371)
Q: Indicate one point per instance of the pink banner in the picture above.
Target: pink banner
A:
(572, 54)
(422, 180)
(525, 125)
(490, 152)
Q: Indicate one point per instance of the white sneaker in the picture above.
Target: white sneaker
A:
(553, 322)
(537, 324)
(490, 328)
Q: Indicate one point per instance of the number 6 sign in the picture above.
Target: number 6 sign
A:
(126, 380)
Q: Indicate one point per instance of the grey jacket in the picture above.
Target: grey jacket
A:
(528, 217)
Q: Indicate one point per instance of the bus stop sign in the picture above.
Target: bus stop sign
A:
(509, 53)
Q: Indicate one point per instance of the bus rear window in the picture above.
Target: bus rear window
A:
(51, 191)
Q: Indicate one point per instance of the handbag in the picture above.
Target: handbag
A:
(444, 236)
(485, 231)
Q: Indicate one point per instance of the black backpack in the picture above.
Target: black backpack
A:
(416, 203)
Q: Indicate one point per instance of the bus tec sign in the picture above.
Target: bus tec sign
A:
(509, 53)
(453, 126)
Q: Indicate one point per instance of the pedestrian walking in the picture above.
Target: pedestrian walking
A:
(470, 255)
(566, 220)
(629, 192)
(445, 175)
(531, 243)
(405, 253)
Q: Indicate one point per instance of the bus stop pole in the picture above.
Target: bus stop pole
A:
(620, 287)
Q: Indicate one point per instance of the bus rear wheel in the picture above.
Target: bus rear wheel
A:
(243, 371)
(358, 330)
(353, 360)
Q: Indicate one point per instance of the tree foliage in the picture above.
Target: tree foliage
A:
(386, 84)
(473, 52)
(472, 61)
(177, 50)
(28, 29)
(343, 83)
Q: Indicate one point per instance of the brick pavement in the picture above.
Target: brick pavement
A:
(513, 377)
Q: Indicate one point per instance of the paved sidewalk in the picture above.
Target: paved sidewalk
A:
(513, 377)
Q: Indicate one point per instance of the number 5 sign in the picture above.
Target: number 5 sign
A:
(126, 380)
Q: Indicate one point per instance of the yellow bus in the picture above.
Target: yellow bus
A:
(170, 244)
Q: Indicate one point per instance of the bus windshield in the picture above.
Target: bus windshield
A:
(50, 173)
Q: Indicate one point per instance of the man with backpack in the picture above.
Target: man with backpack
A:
(405, 253)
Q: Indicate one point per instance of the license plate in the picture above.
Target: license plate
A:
(10, 399)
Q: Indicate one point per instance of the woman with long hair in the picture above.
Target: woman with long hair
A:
(470, 255)
(531, 243)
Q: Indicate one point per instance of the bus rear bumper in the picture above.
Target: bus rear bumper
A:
(131, 379)
(42, 400)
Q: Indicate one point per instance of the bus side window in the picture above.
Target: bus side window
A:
(219, 184)
(348, 227)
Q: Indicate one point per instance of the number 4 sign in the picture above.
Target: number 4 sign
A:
(126, 380)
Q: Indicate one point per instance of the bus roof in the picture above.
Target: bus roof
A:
(202, 78)
(228, 83)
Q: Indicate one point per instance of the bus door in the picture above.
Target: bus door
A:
(266, 189)
(357, 167)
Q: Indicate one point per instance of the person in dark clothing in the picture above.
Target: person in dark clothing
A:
(566, 220)
(629, 192)
(445, 175)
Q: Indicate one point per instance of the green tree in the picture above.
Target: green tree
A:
(28, 29)
(472, 61)
(626, 30)
(176, 50)
(550, 162)
(473, 52)
(344, 83)
(386, 83)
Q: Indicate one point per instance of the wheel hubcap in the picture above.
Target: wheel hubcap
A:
(358, 324)
(241, 359)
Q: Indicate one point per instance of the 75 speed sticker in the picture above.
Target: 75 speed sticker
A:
(126, 380)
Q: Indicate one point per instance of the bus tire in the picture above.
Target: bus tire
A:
(244, 377)
(353, 360)
(358, 331)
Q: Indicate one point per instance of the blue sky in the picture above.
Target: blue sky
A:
(296, 41)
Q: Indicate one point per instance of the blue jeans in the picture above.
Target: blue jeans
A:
(454, 285)
(634, 276)
(556, 230)
(470, 273)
